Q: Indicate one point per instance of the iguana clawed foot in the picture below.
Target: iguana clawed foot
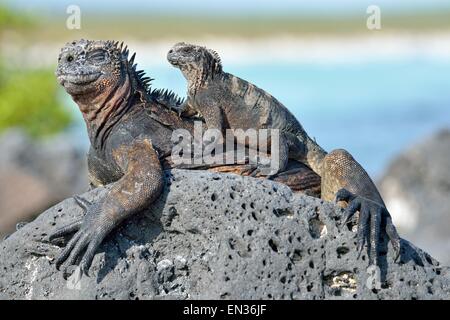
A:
(371, 218)
(89, 234)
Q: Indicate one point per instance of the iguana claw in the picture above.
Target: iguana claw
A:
(89, 233)
(371, 215)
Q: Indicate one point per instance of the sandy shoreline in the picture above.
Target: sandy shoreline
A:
(283, 49)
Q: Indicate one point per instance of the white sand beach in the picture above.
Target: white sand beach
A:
(321, 49)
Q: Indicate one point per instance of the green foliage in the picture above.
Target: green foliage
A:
(28, 99)
(10, 19)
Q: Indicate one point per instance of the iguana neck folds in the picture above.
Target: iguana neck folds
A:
(103, 112)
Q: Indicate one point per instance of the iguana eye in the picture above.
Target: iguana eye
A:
(70, 58)
(97, 56)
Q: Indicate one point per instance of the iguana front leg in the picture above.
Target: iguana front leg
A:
(141, 184)
(344, 179)
(213, 117)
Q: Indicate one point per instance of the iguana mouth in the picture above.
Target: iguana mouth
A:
(79, 79)
(172, 60)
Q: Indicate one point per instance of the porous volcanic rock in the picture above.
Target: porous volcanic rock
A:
(218, 236)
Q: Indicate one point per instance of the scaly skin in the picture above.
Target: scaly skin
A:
(226, 101)
(130, 128)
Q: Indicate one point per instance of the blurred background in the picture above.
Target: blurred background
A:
(384, 94)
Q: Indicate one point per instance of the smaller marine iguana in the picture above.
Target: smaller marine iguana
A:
(226, 101)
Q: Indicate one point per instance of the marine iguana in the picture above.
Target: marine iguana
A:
(130, 127)
(226, 101)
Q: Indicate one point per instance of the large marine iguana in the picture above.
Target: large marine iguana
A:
(130, 127)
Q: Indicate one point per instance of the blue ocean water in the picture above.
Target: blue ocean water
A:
(374, 109)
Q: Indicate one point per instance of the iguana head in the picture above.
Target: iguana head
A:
(89, 67)
(101, 80)
(195, 62)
